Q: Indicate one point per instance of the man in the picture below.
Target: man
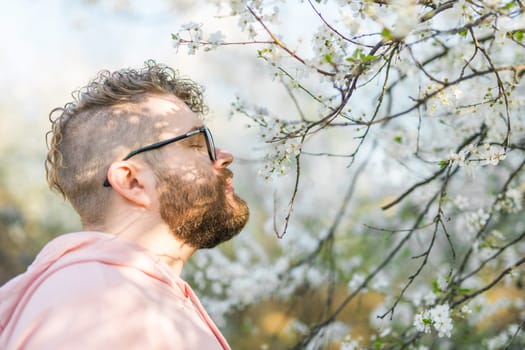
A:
(137, 164)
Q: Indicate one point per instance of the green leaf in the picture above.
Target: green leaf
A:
(328, 58)
(443, 163)
(463, 33)
(518, 35)
(367, 58)
(398, 139)
(435, 287)
(386, 34)
(378, 344)
(428, 321)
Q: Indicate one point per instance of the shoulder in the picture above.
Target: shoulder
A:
(93, 305)
(87, 305)
(80, 284)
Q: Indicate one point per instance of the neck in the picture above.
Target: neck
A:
(152, 234)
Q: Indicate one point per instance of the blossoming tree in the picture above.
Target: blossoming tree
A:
(400, 158)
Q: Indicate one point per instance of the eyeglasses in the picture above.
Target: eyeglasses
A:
(202, 130)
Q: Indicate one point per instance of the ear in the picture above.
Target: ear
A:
(131, 181)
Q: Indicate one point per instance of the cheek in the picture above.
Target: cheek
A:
(194, 178)
(193, 186)
(192, 172)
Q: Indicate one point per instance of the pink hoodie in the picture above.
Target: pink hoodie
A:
(91, 290)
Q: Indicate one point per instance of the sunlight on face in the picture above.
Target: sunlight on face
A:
(194, 198)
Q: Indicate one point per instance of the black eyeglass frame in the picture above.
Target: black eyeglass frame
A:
(204, 130)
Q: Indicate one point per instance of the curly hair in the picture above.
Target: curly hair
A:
(105, 120)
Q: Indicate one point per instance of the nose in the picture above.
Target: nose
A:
(224, 158)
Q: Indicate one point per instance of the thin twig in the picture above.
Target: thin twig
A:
(503, 273)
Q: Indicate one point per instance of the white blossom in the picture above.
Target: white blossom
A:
(351, 22)
(380, 282)
(491, 155)
(477, 219)
(193, 40)
(457, 158)
(510, 202)
(350, 344)
(237, 6)
(333, 331)
(438, 318)
(508, 24)
(423, 322)
(407, 17)
(191, 26)
(442, 283)
(329, 48)
(430, 298)
(356, 281)
(461, 202)
(214, 40)
(465, 310)
(497, 342)
(423, 296)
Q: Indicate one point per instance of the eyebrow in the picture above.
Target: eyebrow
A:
(195, 128)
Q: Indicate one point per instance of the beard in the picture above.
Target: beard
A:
(201, 213)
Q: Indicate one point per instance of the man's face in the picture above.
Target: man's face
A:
(196, 199)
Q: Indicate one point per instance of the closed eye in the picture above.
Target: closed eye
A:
(196, 142)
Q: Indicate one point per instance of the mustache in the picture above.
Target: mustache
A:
(225, 174)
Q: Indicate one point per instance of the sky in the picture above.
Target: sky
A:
(51, 47)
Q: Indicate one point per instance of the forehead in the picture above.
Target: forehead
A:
(170, 115)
